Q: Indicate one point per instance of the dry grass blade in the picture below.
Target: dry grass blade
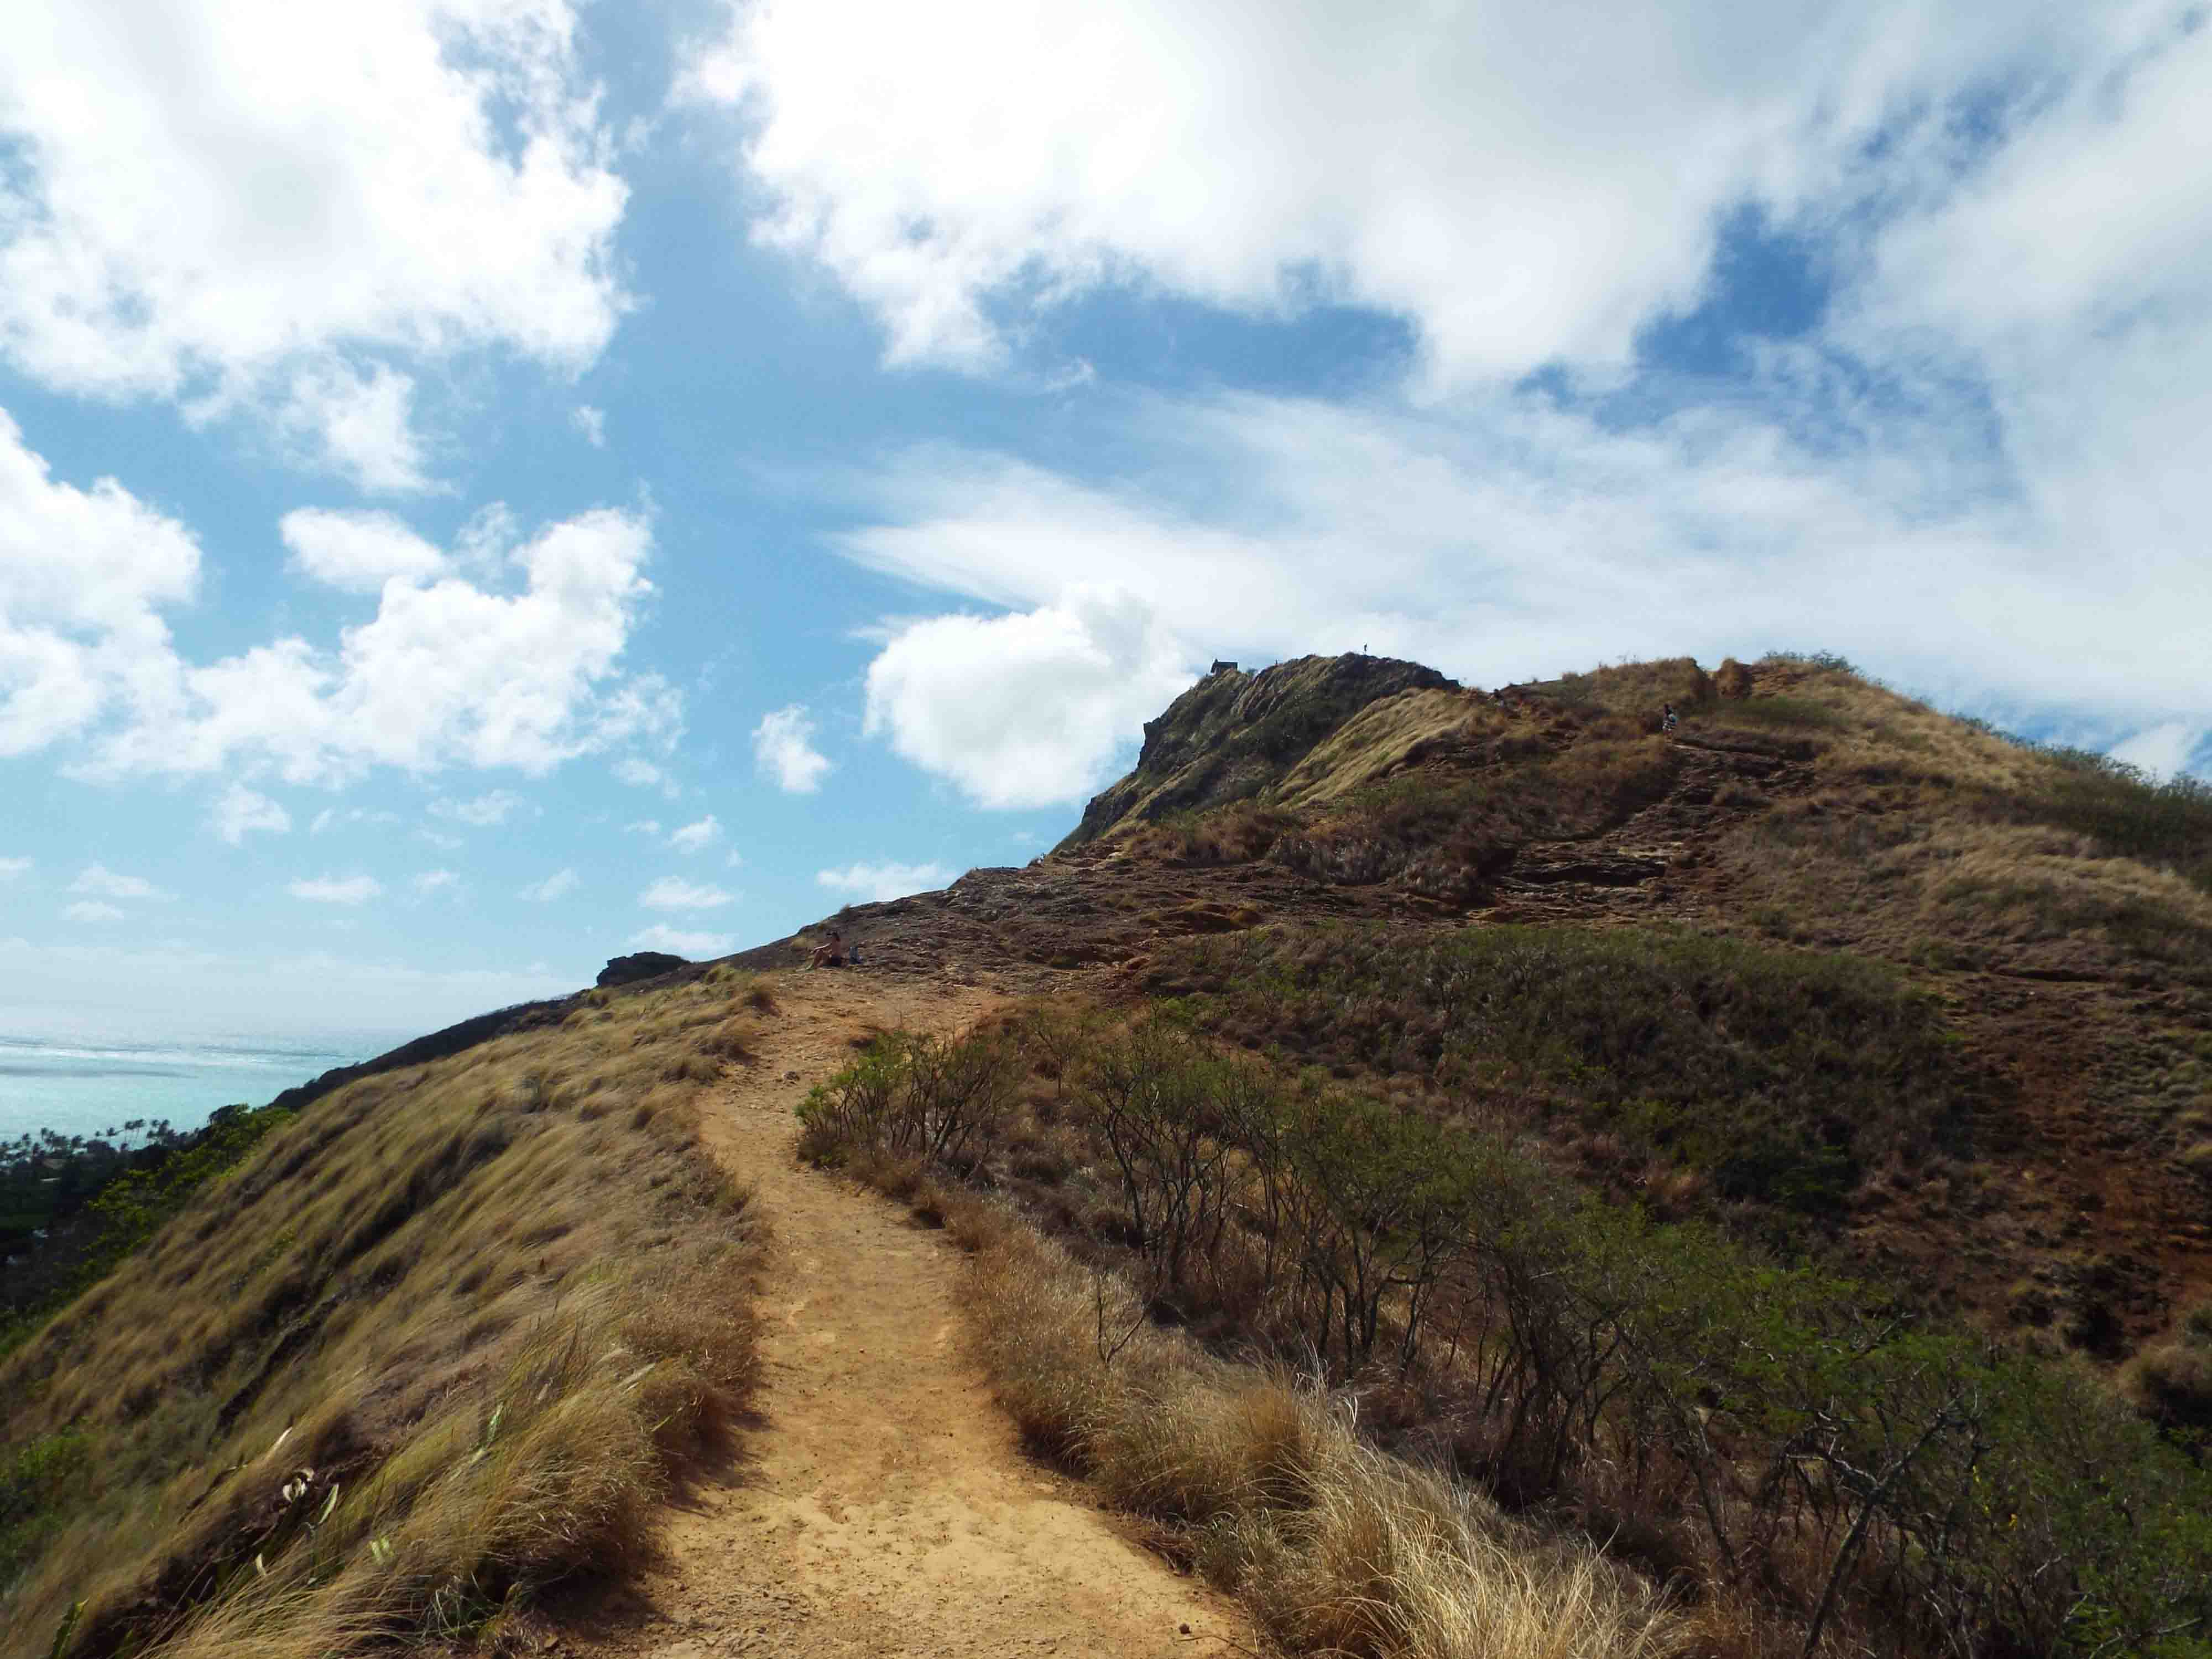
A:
(438, 1342)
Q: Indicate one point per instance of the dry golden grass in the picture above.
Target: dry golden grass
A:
(1337, 1549)
(1380, 737)
(440, 1340)
(1963, 880)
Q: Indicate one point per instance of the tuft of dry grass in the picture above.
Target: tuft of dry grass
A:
(1336, 1548)
(441, 1340)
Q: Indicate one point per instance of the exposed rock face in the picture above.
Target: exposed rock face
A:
(1233, 734)
(645, 964)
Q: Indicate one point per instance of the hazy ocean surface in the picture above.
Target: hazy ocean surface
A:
(86, 1083)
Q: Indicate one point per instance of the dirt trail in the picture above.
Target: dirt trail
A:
(882, 1505)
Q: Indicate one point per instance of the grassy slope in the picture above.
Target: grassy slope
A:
(2056, 911)
(436, 1342)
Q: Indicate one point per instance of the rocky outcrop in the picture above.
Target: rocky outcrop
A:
(1234, 734)
(645, 964)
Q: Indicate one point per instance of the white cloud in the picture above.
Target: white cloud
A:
(2164, 750)
(1516, 536)
(84, 573)
(11, 868)
(435, 881)
(240, 812)
(482, 546)
(357, 424)
(100, 882)
(640, 774)
(559, 884)
(356, 552)
(234, 199)
(783, 749)
(493, 807)
(1518, 184)
(696, 836)
(447, 673)
(1029, 709)
(593, 424)
(92, 910)
(661, 937)
(642, 827)
(673, 893)
(883, 881)
(437, 838)
(335, 889)
(331, 817)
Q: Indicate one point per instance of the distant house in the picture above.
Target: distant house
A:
(1222, 665)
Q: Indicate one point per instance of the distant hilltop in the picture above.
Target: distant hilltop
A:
(1234, 734)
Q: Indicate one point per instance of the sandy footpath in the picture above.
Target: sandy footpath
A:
(882, 1504)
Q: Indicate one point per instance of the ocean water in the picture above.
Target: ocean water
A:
(86, 1083)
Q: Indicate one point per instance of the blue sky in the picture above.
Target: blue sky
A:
(488, 485)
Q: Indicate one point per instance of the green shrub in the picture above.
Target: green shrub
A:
(1782, 1073)
(39, 1480)
(132, 1208)
(933, 1100)
(1870, 1473)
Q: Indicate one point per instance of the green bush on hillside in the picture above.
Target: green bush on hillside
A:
(131, 1205)
(1866, 1473)
(36, 1479)
(2120, 805)
(1781, 1074)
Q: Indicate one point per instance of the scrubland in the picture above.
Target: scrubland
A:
(441, 1340)
(1528, 1418)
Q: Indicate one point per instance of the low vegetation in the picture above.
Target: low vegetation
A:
(1796, 1457)
(437, 1343)
(75, 1208)
(1779, 1077)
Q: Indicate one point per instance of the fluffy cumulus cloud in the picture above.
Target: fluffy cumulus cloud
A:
(1026, 710)
(559, 884)
(358, 423)
(661, 937)
(219, 203)
(336, 889)
(885, 880)
(84, 575)
(357, 552)
(1519, 185)
(697, 835)
(493, 807)
(98, 881)
(436, 881)
(241, 811)
(784, 750)
(1515, 539)
(1978, 463)
(92, 910)
(673, 893)
(517, 668)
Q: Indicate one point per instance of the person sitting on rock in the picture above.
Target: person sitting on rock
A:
(830, 953)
